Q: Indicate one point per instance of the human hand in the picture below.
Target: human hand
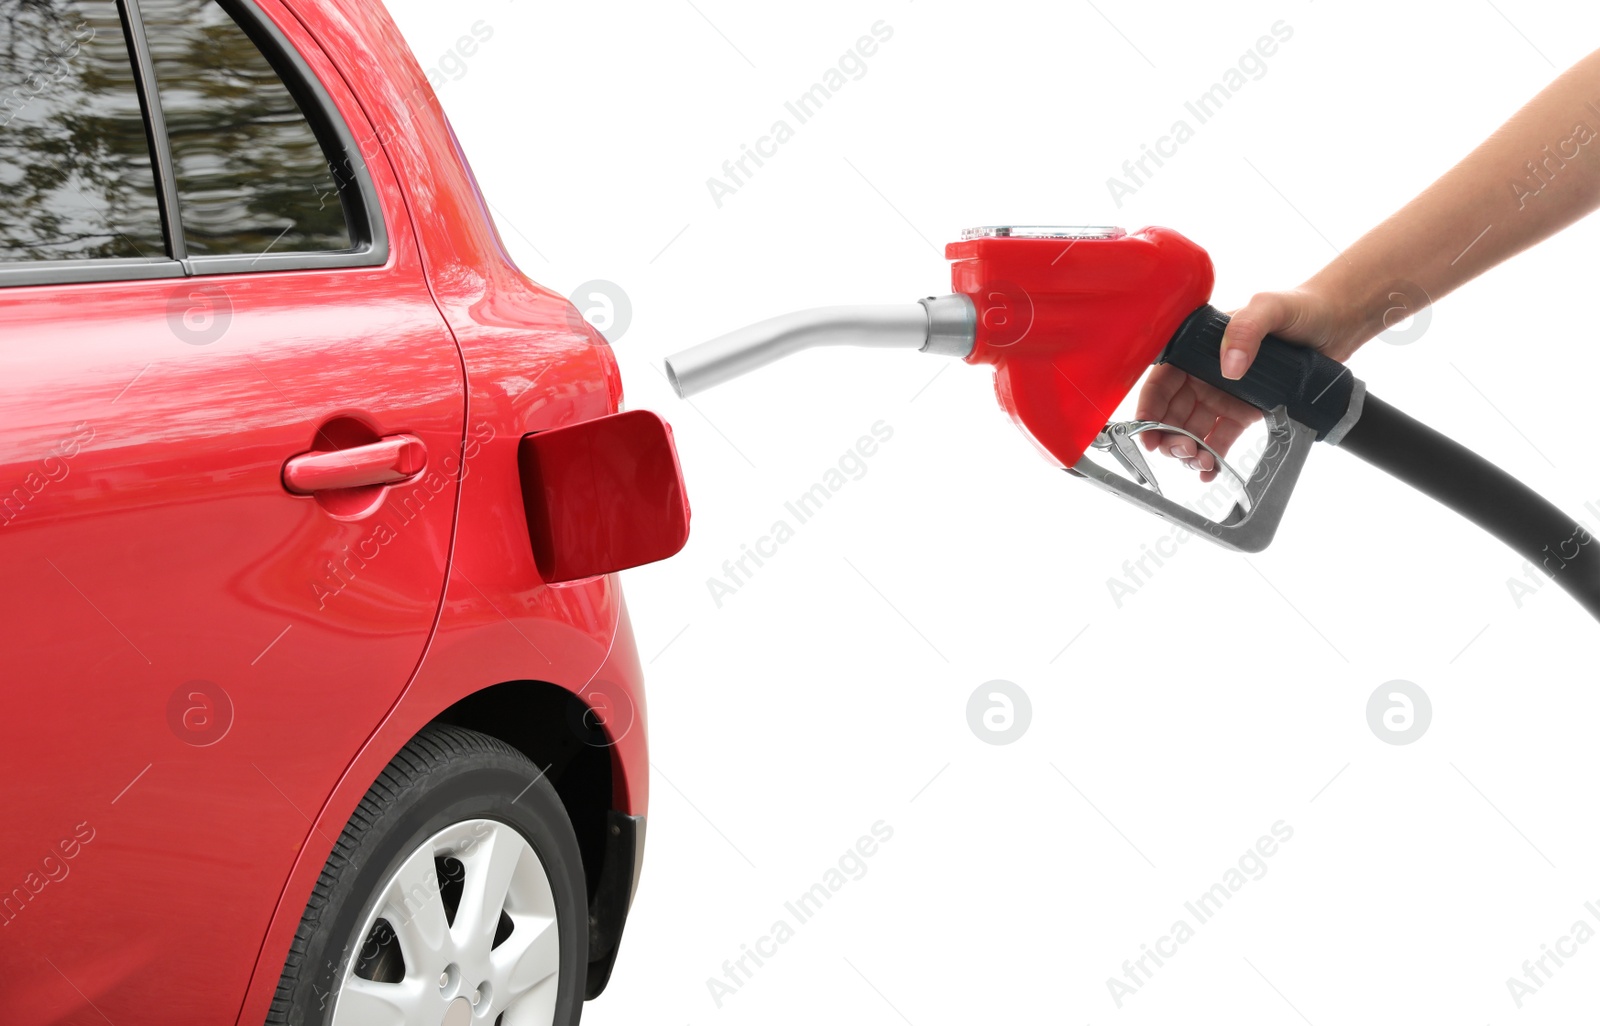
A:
(1303, 316)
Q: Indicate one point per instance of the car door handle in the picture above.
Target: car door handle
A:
(385, 461)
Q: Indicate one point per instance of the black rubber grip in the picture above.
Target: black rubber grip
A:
(1313, 388)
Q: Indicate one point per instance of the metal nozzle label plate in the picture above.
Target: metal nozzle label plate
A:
(1012, 231)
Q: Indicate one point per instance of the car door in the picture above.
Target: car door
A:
(231, 419)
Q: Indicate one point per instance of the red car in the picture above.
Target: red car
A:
(322, 702)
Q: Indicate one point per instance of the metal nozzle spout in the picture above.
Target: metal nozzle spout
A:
(944, 325)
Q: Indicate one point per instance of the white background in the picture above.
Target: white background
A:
(1226, 694)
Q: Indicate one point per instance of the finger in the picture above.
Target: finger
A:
(1222, 438)
(1183, 404)
(1160, 385)
(1241, 340)
(1213, 406)
(1231, 411)
(1225, 434)
(1200, 424)
(1231, 407)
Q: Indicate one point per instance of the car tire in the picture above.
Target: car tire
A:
(393, 935)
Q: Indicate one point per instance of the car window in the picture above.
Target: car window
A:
(76, 181)
(251, 174)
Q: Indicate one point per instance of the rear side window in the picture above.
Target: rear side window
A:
(76, 181)
(251, 174)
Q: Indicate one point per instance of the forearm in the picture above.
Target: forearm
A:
(1538, 173)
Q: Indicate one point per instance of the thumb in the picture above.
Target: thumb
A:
(1251, 323)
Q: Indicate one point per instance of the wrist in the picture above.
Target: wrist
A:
(1358, 306)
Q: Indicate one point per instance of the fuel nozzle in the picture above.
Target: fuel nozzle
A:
(946, 325)
(1070, 318)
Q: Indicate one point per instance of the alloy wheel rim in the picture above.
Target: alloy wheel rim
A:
(462, 933)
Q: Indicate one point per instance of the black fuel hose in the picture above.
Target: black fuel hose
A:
(1456, 477)
(1320, 393)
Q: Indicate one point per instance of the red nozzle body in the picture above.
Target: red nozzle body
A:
(1071, 322)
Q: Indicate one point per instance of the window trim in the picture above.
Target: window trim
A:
(357, 192)
(155, 128)
(72, 272)
(363, 214)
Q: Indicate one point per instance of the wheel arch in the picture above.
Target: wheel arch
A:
(562, 735)
(543, 721)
